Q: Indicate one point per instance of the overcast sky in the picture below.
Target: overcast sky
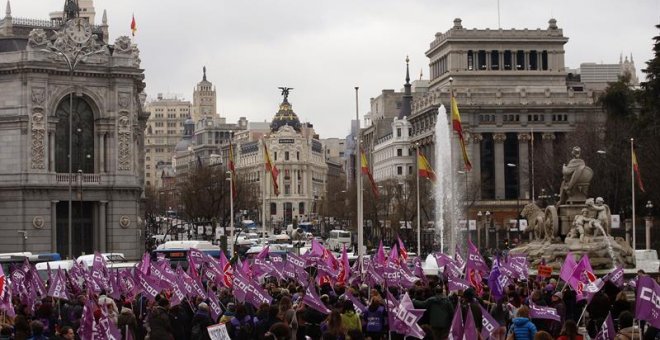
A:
(323, 49)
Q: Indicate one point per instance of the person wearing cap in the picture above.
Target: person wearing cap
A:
(557, 302)
(201, 320)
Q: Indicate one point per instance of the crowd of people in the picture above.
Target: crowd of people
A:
(287, 317)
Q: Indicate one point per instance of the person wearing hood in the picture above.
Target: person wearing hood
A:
(627, 329)
(126, 322)
(522, 327)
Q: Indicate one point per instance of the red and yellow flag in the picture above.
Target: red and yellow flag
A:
(270, 167)
(232, 169)
(133, 26)
(365, 170)
(424, 168)
(456, 124)
(636, 169)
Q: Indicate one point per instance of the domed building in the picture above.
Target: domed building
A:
(298, 155)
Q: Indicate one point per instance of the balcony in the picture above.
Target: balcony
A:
(75, 178)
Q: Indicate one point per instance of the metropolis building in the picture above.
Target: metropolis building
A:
(41, 98)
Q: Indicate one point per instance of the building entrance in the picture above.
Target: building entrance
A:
(82, 225)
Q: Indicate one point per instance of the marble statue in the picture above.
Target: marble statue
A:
(576, 178)
(536, 221)
(603, 214)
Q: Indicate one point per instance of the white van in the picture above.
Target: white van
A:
(337, 239)
(42, 267)
(88, 260)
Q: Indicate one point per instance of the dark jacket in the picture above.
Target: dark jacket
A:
(440, 309)
(200, 321)
(159, 324)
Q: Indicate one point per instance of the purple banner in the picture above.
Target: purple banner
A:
(312, 300)
(356, 302)
(150, 286)
(456, 284)
(607, 331)
(214, 305)
(456, 330)
(647, 304)
(58, 287)
(489, 324)
(246, 290)
(452, 270)
(616, 277)
(470, 328)
(406, 317)
(542, 312)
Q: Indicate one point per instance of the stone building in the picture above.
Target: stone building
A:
(204, 99)
(510, 85)
(164, 131)
(298, 154)
(42, 100)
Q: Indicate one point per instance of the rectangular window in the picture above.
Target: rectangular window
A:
(286, 155)
(494, 60)
(398, 132)
(399, 170)
(399, 152)
(507, 60)
(520, 60)
(275, 155)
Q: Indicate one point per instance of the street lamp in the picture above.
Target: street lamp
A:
(649, 223)
(231, 211)
(514, 166)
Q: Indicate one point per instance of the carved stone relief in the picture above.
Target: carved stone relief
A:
(124, 134)
(124, 98)
(38, 133)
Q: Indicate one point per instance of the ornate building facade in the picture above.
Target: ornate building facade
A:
(512, 95)
(299, 155)
(42, 100)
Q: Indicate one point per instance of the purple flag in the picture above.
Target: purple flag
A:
(406, 317)
(214, 305)
(489, 324)
(196, 257)
(442, 259)
(143, 266)
(185, 282)
(86, 329)
(296, 261)
(542, 312)
(150, 286)
(470, 328)
(616, 277)
(647, 303)
(418, 270)
(496, 281)
(312, 300)
(452, 270)
(456, 284)
(568, 267)
(246, 290)
(456, 330)
(356, 302)
(475, 260)
(58, 286)
(607, 331)
(104, 328)
(177, 294)
(458, 258)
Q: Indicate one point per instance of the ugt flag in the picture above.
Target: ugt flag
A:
(647, 304)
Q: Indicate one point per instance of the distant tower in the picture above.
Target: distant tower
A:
(204, 99)
(628, 67)
(76, 8)
(406, 106)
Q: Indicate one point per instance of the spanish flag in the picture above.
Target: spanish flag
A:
(456, 124)
(636, 169)
(232, 169)
(270, 167)
(424, 168)
(133, 26)
(365, 170)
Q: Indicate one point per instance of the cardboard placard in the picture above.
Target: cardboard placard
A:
(544, 271)
(218, 332)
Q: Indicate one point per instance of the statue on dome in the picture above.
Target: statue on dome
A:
(285, 92)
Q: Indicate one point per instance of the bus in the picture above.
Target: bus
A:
(337, 239)
(177, 251)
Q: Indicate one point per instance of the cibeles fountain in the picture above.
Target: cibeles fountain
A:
(577, 223)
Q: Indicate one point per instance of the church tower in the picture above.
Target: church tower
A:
(204, 99)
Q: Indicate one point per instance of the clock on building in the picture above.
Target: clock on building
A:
(78, 30)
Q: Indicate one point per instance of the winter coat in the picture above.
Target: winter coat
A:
(351, 321)
(159, 324)
(522, 329)
(200, 321)
(440, 310)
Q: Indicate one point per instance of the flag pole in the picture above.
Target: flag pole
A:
(263, 198)
(419, 226)
(632, 188)
(358, 179)
(533, 193)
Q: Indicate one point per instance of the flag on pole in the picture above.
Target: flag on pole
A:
(366, 171)
(232, 169)
(133, 26)
(635, 166)
(270, 167)
(424, 168)
(456, 124)
(607, 331)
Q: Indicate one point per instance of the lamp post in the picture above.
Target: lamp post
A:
(231, 212)
(487, 228)
(467, 205)
(649, 223)
(514, 166)
(480, 225)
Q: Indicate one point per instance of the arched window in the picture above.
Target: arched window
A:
(82, 146)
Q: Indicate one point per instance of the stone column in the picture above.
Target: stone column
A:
(476, 160)
(523, 165)
(53, 226)
(101, 155)
(102, 225)
(499, 139)
(526, 62)
(488, 61)
(548, 139)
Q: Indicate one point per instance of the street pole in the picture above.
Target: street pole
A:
(419, 219)
(632, 189)
(358, 179)
(231, 211)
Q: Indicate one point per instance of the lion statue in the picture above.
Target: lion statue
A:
(535, 220)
